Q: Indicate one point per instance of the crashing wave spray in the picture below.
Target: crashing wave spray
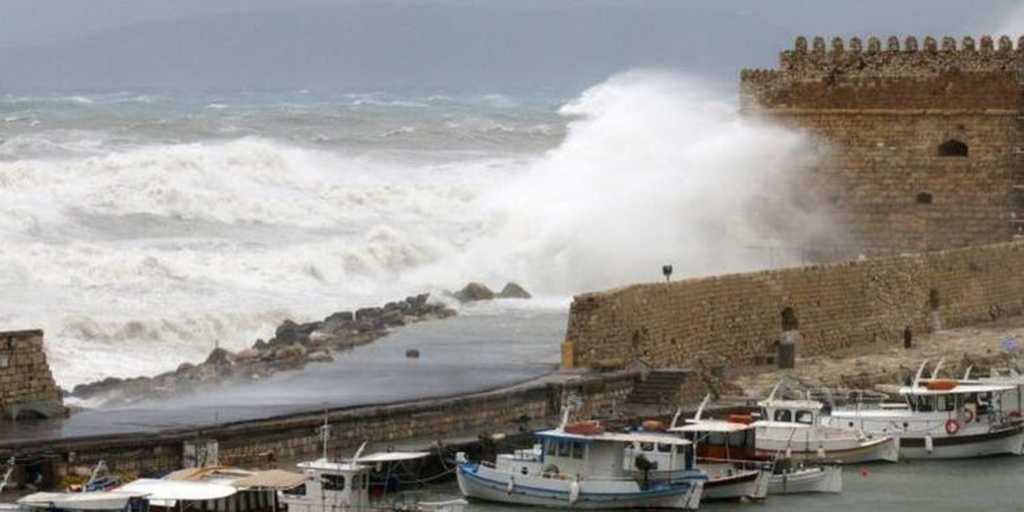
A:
(654, 169)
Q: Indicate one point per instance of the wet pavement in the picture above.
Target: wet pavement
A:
(476, 351)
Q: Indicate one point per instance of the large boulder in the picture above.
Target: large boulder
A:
(474, 292)
(513, 291)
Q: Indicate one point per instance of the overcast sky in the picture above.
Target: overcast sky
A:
(500, 45)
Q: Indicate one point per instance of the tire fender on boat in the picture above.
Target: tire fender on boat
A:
(511, 485)
(968, 416)
(574, 492)
(952, 426)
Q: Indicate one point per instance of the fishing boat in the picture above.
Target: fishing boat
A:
(942, 419)
(732, 444)
(344, 486)
(800, 430)
(581, 466)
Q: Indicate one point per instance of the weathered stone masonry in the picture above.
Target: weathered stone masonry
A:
(269, 443)
(738, 317)
(924, 145)
(26, 384)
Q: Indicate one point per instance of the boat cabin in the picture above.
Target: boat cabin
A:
(720, 439)
(330, 487)
(604, 455)
(950, 396)
(806, 412)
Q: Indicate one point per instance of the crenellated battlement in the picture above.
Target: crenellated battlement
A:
(901, 58)
(896, 73)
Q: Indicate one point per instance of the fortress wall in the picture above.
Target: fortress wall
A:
(737, 317)
(879, 165)
(26, 384)
(880, 111)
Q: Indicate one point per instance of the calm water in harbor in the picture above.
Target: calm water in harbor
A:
(990, 485)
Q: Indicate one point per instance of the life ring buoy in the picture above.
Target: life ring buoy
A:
(968, 416)
(952, 426)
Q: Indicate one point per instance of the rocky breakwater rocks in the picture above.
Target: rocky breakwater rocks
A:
(293, 346)
(474, 292)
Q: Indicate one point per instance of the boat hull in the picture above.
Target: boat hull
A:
(749, 484)
(823, 479)
(885, 449)
(483, 483)
(1010, 441)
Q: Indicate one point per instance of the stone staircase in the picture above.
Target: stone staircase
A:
(661, 388)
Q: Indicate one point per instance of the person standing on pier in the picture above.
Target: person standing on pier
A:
(908, 338)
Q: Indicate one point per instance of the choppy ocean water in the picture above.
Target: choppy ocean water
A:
(141, 229)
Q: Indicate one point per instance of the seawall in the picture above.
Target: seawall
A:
(268, 443)
(738, 317)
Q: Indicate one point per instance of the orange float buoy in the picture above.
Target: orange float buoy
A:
(940, 384)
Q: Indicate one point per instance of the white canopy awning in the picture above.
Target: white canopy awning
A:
(719, 426)
(114, 500)
(174, 490)
(374, 458)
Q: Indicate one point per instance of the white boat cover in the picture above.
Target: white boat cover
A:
(374, 458)
(174, 490)
(99, 500)
(958, 390)
(272, 479)
(615, 437)
(712, 426)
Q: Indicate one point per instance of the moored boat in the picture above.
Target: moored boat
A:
(582, 467)
(943, 419)
(800, 430)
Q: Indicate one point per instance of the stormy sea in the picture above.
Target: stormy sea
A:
(142, 228)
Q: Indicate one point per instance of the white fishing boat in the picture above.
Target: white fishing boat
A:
(803, 479)
(942, 419)
(800, 430)
(733, 442)
(581, 466)
(722, 449)
(345, 486)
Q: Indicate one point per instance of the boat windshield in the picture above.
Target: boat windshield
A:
(980, 403)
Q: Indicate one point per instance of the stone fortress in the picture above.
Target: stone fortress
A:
(922, 169)
(27, 388)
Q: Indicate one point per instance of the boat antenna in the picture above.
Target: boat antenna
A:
(938, 367)
(920, 369)
(325, 434)
(967, 373)
(703, 404)
(565, 417)
(359, 452)
(7, 474)
(771, 396)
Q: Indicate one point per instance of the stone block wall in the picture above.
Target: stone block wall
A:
(27, 387)
(281, 442)
(880, 114)
(735, 318)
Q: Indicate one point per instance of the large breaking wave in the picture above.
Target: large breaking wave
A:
(138, 255)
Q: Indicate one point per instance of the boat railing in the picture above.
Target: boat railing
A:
(740, 463)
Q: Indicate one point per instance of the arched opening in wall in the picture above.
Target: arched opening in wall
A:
(933, 299)
(952, 147)
(29, 414)
(924, 198)
(789, 320)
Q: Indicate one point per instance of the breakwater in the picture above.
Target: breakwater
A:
(271, 442)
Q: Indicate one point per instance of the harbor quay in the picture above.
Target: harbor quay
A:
(279, 442)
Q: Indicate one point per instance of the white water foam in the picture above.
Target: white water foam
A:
(145, 256)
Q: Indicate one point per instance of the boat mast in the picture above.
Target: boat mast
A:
(325, 434)
(7, 474)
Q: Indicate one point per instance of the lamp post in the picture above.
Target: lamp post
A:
(667, 271)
